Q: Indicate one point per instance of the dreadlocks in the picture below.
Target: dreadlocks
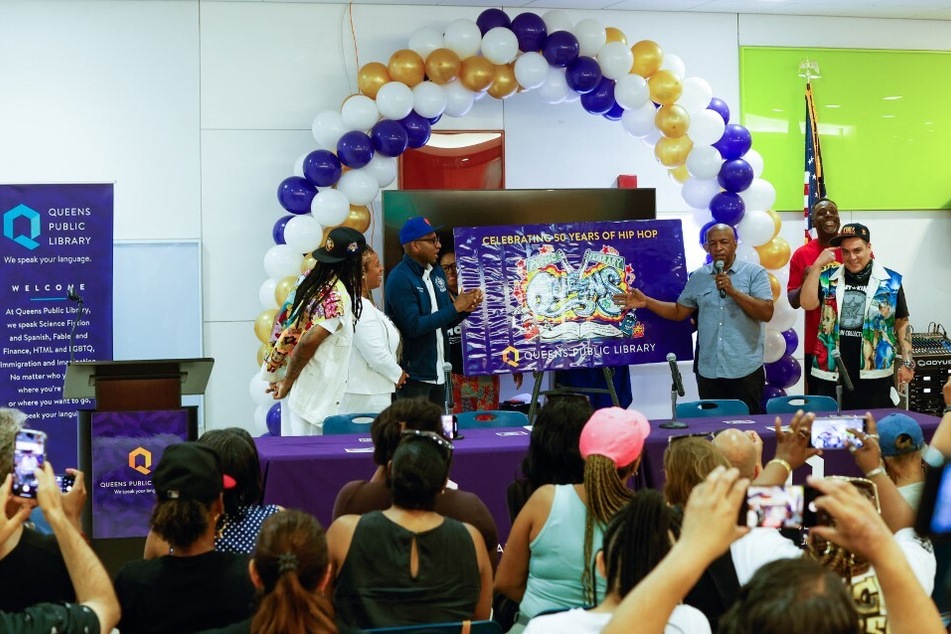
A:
(606, 493)
(320, 281)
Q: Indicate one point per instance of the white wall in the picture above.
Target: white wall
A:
(197, 110)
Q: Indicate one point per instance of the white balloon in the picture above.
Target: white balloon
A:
(591, 36)
(706, 127)
(464, 37)
(632, 92)
(616, 61)
(266, 293)
(459, 99)
(775, 346)
(556, 20)
(281, 261)
(299, 165)
(755, 159)
(701, 216)
(330, 206)
(784, 315)
(698, 192)
(746, 253)
(695, 95)
(651, 139)
(639, 122)
(429, 99)
(327, 129)
(760, 195)
(571, 96)
(359, 112)
(531, 70)
(704, 161)
(359, 186)
(425, 40)
(499, 45)
(260, 416)
(395, 100)
(383, 169)
(674, 64)
(256, 390)
(756, 228)
(303, 233)
(555, 88)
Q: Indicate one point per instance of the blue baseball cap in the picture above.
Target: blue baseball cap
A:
(415, 228)
(890, 431)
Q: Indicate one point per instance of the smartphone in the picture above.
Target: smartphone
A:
(779, 507)
(449, 426)
(831, 432)
(934, 510)
(65, 482)
(29, 454)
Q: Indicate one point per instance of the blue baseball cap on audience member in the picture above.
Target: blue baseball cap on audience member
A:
(891, 430)
(415, 228)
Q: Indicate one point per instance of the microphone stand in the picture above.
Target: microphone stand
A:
(72, 330)
(673, 423)
(447, 368)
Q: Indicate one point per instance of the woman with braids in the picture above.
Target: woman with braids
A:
(635, 541)
(548, 562)
(315, 359)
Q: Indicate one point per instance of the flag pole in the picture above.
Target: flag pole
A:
(813, 178)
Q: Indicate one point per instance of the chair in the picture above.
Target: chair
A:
(348, 424)
(491, 418)
(712, 407)
(806, 403)
(475, 627)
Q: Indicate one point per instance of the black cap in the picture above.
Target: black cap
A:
(190, 471)
(342, 244)
(851, 230)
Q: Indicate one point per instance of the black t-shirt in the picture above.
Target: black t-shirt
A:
(69, 618)
(34, 572)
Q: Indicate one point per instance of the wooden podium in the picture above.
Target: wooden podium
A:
(122, 386)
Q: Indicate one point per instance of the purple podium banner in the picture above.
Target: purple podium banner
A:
(55, 237)
(126, 447)
(548, 295)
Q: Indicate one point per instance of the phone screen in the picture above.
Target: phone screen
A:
(29, 454)
(779, 507)
(831, 432)
(448, 426)
(65, 482)
(934, 511)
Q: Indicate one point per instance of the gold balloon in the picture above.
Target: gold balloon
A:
(679, 174)
(672, 152)
(358, 218)
(665, 87)
(504, 85)
(371, 78)
(647, 57)
(777, 221)
(262, 352)
(774, 286)
(406, 66)
(774, 254)
(308, 263)
(614, 35)
(284, 286)
(263, 324)
(477, 73)
(443, 66)
(672, 121)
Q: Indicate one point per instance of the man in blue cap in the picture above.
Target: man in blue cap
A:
(902, 443)
(418, 302)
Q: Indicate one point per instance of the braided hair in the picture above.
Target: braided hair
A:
(318, 284)
(606, 492)
(636, 540)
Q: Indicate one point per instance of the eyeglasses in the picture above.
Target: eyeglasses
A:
(699, 435)
(434, 240)
(432, 437)
(449, 268)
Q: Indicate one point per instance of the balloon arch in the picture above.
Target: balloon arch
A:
(439, 74)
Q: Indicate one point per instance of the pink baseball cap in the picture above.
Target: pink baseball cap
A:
(618, 434)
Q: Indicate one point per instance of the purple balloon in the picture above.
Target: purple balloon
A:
(417, 129)
(719, 106)
(703, 231)
(583, 75)
(735, 175)
(727, 208)
(531, 32)
(322, 168)
(792, 341)
(491, 18)
(273, 419)
(783, 373)
(615, 113)
(355, 149)
(735, 142)
(295, 193)
(389, 137)
(561, 48)
(771, 391)
(277, 231)
(434, 120)
(601, 99)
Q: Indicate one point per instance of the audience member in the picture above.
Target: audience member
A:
(375, 371)
(743, 449)
(313, 334)
(362, 496)
(635, 541)
(553, 456)
(409, 565)
(903, 443)
(193, 587)
(548, 562)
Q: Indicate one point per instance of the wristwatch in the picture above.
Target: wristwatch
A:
(909, 363)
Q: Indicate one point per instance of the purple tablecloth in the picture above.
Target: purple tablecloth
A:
(307, 472)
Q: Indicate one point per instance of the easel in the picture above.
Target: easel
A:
(608, 373)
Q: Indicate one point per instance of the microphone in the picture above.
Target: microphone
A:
(718, 267)
(72, 295)
(843, 371)
(675, 373)
(447, 368)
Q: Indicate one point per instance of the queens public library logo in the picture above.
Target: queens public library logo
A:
(31, 219)
(146, 459)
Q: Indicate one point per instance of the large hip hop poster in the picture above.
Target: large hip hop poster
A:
(549, 295)
(55, 237)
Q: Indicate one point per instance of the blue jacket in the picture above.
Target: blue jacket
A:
(409, 306)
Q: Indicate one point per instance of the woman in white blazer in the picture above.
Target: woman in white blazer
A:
(375, 371)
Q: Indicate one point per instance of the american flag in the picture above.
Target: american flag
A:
(813, 184)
